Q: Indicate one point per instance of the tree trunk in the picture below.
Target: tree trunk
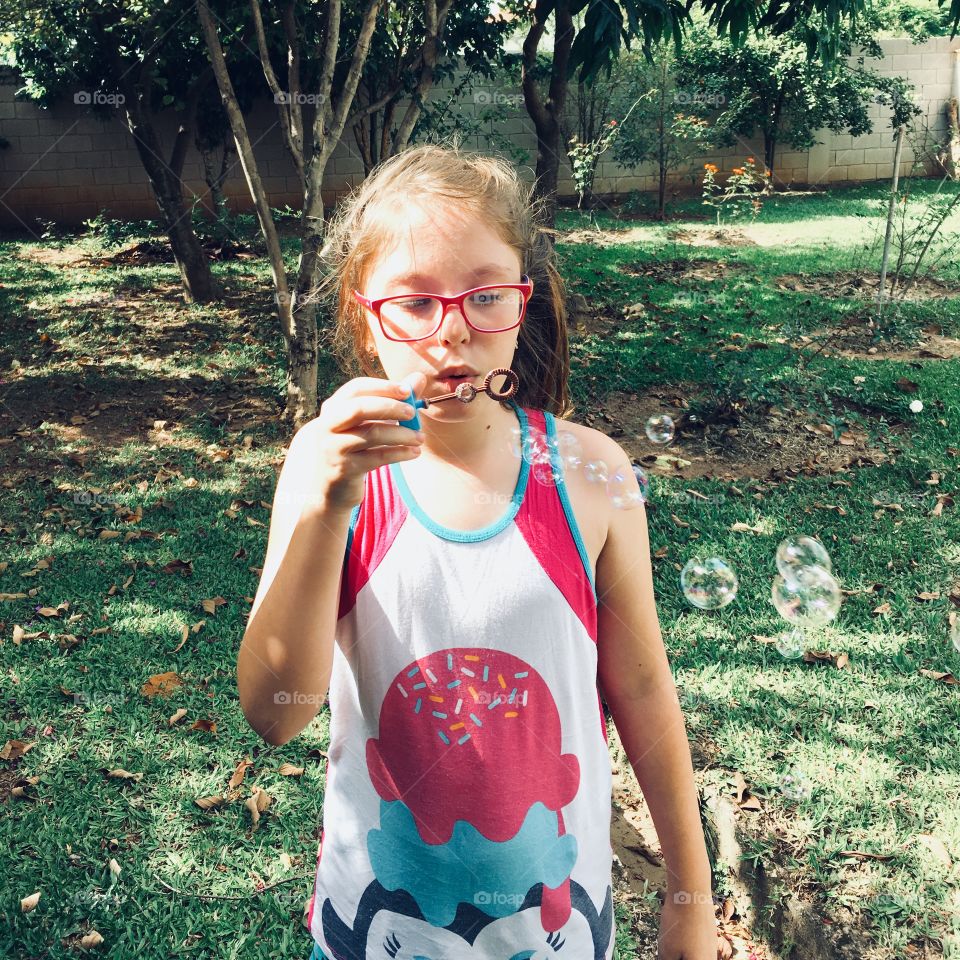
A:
(662, 192)
(198, 283)
(545, 114)
(769, 152)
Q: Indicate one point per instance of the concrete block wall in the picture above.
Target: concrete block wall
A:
(66, 164)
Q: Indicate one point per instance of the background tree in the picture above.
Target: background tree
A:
(769, 84)
(819, 25)
(472, 41)
(318, 75)
(137, 59)
(668, 128)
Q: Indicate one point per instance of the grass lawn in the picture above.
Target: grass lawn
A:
(139, 443)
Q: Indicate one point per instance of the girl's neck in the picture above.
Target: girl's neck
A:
(478, 444)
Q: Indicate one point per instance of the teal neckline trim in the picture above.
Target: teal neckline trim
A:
(558, 472)
(484, 533)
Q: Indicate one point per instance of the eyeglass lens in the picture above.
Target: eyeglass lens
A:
(416, 316)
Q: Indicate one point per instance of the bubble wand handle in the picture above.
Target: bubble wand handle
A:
(465, 393)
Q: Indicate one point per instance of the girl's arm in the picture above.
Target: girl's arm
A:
(635, 680)
(285, 659)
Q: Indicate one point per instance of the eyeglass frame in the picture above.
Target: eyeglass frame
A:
(446, 302)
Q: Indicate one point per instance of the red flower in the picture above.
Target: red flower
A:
(613, 123)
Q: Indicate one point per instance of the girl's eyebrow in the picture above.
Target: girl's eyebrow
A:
(488, 269)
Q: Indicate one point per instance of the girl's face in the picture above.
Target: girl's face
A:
(445, 253)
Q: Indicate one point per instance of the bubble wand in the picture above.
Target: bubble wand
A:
(465, 393)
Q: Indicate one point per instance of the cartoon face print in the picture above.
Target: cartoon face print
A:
(519, 936)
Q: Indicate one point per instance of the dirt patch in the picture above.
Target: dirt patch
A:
(712, 237)
(68, 255)
(856, 338)
(639, 868)
(679, 269)
(760, 441)
(149, 252)
(850, 283)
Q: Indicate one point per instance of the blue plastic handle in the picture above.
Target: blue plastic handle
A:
(414, 422)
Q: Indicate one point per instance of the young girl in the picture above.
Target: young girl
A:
(463, 608)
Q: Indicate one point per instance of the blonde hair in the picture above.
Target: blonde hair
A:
(366, 222)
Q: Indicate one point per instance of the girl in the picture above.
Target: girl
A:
(464, 609)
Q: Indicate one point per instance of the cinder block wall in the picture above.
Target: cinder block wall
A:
(66, 164)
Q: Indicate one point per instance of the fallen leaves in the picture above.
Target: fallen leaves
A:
(120, 774)
(161, 684)
(15, 749)
(256, 803)
(838, 660)
(947, 678)
(29, 903)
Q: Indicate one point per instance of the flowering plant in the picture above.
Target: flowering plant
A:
(740, 194)
(585, 156)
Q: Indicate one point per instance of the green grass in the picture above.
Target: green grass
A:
(877, 739)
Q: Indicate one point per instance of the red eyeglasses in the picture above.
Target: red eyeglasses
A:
(407, 317)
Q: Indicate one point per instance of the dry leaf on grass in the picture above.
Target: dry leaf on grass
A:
(289, 770)
(29, 903)
(838, 660)
(256, 803)
(120, 774)
(15, 749)
(91, 939)
(161, 684)
(239, 773)
(948, 678)
(210, 606)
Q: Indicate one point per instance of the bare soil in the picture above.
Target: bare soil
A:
(850, 283)
(740, 442)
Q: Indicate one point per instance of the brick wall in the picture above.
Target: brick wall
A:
(66, 164)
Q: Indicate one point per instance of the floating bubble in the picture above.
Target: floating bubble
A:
(546, 473)
(790, 644)
(795, 785)
(659, 429)
(568, 446)
(916, 406)
(596, 471)
(796, 552)
(536, 448)
(708, 583)
(628, 488)
(809, 598)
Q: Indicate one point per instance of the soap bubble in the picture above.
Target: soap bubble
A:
(659, 429)
(809, 598)
(534, 450)
(546, 473)
(796, 552)
(790, 644)
(596, 471)
(795, 785)
(916, 406)
(568, 446)
(628, 488)
(708, 583)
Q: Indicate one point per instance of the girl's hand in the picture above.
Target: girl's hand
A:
(688, 931)
(357, 431)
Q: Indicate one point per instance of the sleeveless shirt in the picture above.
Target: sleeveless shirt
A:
(468, 794)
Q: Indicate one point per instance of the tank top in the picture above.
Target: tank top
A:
(468, 794)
